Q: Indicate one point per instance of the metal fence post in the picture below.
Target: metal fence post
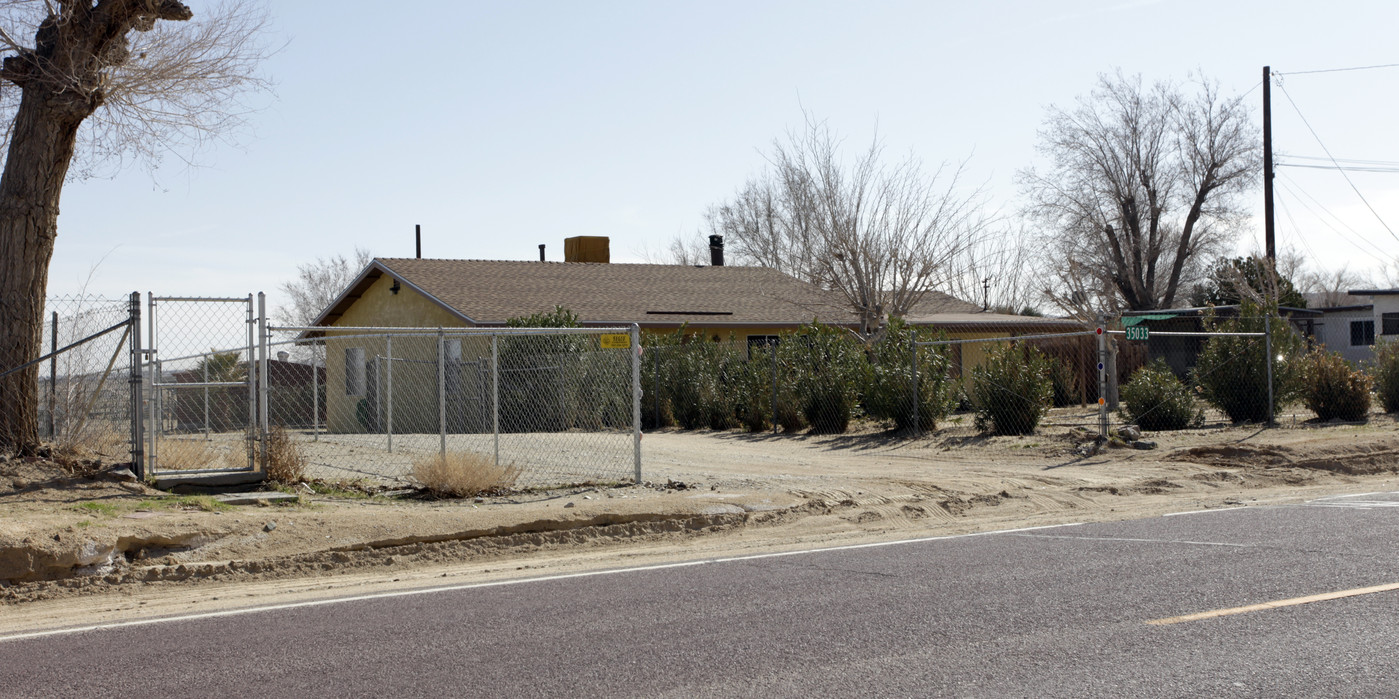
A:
(442, 393)
(636, 398)
(495, 395)
(207, 357)
(53, 379)
(656, 385)
(315, 397)
(913, 347)
(263, 378)
(774, 387)
(1268, 360)
(388, 390)
(1102, 377)
(138, 460)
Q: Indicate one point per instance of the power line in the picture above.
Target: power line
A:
(1333, 161)
(1337, 70)
(1379, 254)
(1343, 168)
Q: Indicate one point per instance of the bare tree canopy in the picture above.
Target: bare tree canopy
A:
(92, 83)
(880, 234)
(1143, 189)
(317, 285)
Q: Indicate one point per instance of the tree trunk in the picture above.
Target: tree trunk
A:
(41, 148)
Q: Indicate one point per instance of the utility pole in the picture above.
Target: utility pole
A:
(1268, 166)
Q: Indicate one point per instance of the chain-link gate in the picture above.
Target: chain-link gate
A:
(202, 366)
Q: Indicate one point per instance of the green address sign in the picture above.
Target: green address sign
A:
(1138, 332)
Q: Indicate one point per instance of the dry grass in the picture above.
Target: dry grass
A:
(463, 474)
(286, 462)
(183, 454)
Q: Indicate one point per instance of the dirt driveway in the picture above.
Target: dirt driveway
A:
(96, 548)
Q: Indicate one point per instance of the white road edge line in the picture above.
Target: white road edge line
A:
(1196, 512)
(499, 583)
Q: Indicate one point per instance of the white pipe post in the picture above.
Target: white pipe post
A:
(1102, 378)
(636, 398)
(388, 388)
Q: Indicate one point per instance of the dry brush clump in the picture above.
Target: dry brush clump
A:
(463, 474)
(285, 462)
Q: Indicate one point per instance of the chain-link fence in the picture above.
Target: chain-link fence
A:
(84, 392)
(545, 406)
(954, 382)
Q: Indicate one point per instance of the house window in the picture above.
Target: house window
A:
(1362, 332)
(1390, 323)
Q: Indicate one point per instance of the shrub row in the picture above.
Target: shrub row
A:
(826, 377)
(1231, 375)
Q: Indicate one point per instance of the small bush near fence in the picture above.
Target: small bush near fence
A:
(1334, 390)
(1012, 390)
(889, 394)
(1231, 371)
(1156, 400)
(828, 391)
(1385, 372)
(286, 462)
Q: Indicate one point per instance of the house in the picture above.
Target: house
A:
(715, 302)
(1353, 330)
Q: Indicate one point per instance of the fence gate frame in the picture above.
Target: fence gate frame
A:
(155, 419)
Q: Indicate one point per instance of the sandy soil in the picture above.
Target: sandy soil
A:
(77, 550)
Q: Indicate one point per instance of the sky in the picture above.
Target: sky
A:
(500, 126)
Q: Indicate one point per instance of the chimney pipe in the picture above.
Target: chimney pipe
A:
(716, 250)
(418, 231)
(541, 252)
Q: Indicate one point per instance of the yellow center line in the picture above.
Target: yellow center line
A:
(1274, 605)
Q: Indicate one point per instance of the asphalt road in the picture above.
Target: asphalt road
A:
(1058, 611)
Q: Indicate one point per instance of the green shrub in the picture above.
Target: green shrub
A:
(1333, 389)
(889, 395)
(827, 367)
(1385, 371)
(1012, 390)
(1156, 400)
(1231, 372)
(695, 384)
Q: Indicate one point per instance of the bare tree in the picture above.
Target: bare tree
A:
(997, 271)
(98, 82)
(682, 250)
(1328, 288)
(317, 285)
(1144, 188)
(880, 235)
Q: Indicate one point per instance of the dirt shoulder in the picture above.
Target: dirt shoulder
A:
(88, 549)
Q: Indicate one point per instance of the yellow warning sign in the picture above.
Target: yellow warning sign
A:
(616, 341)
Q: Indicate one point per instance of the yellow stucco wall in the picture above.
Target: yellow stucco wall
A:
(414, 373)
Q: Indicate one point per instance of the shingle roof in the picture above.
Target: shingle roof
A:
(935, 302)
(489, 292)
